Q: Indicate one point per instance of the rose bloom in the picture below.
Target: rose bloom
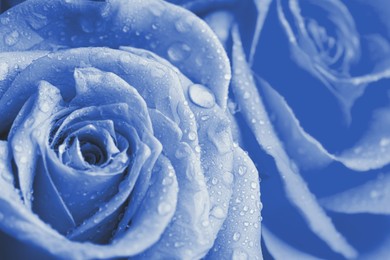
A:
(310, 84)
(116, 140)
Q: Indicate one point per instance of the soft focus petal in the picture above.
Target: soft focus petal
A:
(371, 197)
(296, 189)
(280, 250)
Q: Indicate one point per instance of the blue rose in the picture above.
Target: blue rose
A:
(311, 82)
(115, 139)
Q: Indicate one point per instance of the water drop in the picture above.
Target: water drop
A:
(384, 142)
(242, 169)
(374, 194)
(179, 51)
(253, 185)
(246, 95)
(87, 25)
(23, 159)
(192, 135)
(236, 236)
(227, 76)
(178, 244)
(11, 38)
(184, 24)
(205, 223)
(214, 181)
(218, 212)
(125, 28)
(167, 181)
(201, 96)
(18, 148)
(44, 107)
(29, 122)
(164, 208)
(205, 117)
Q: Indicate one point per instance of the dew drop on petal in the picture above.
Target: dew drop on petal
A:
(201, 96)
(218, 212)
(205, 117)
(179, 51)
(205, 223)
(184, 24)
(236, 236)
(242, 169)
(192, 135)
(23, 159)
(164, 208)
(44, 107)
(11, 38)
(253, 185)
(167, 181)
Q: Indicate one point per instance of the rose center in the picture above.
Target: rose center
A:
(92, 153)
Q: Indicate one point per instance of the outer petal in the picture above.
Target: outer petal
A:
(11, 63)
(143, 24)
(35, 113)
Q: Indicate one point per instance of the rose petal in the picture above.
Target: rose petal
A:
(48, 203)
(188, 236)
(306, 151)
(362, 156)
(158, 206)
(295, 187)
(7, 178)
(280, 250)
(133, 23)
(370, 197)
(240, 235)
(35, 112)
(14, 62)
